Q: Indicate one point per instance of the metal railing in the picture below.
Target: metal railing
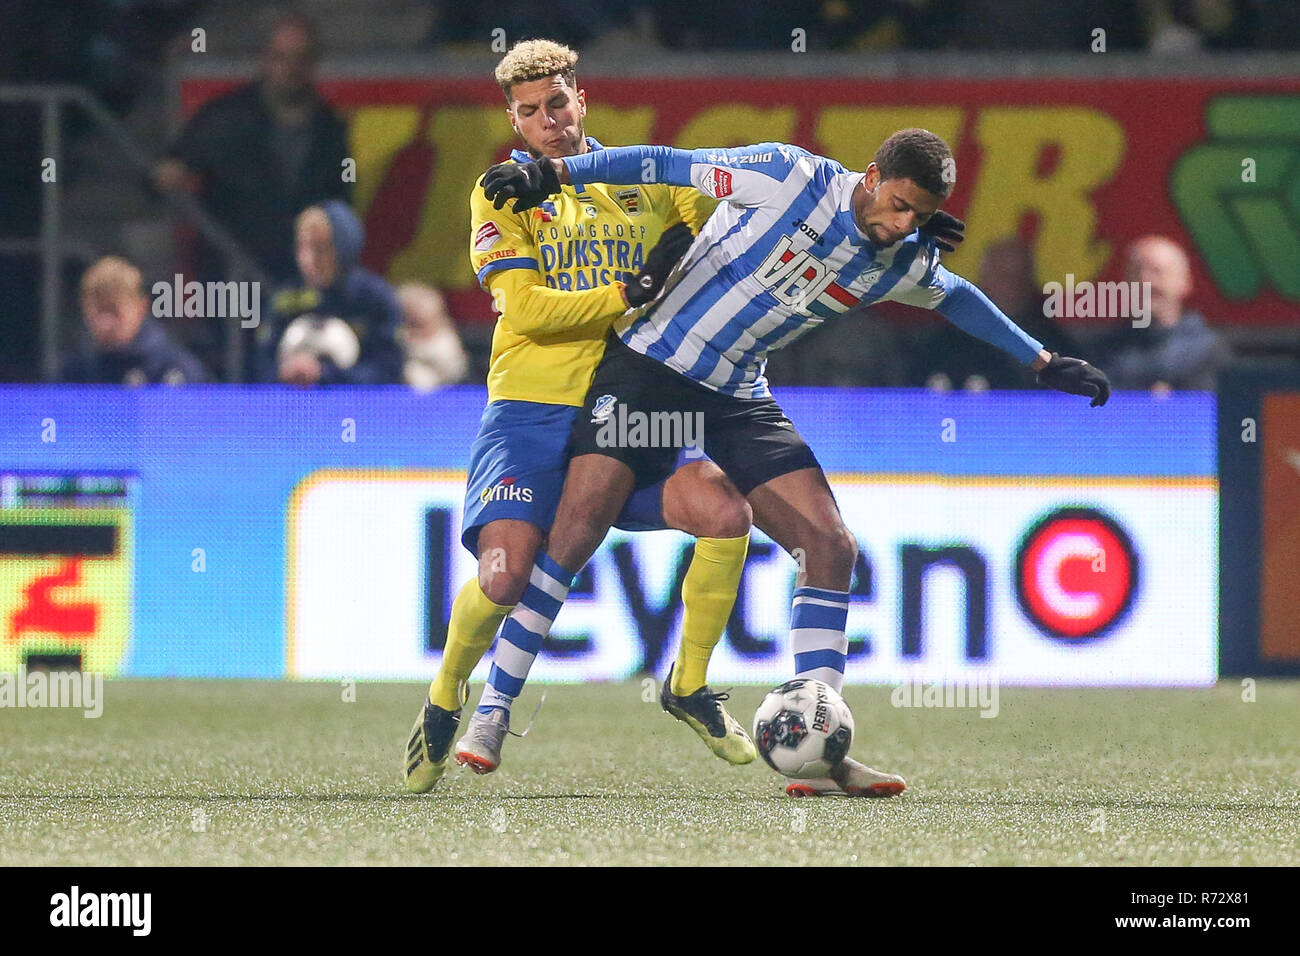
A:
(53, 247)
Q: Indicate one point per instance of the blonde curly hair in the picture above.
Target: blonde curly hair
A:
(535, 60)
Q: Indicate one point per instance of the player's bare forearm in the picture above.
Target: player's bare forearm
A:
(1041, 361)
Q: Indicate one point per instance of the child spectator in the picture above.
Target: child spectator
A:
(126, 346)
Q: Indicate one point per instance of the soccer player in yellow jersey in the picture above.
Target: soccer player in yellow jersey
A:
(558, 275)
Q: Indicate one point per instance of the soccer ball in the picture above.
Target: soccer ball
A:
(323, 336)
(803, 728)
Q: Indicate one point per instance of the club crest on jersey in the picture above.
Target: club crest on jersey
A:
(505, 490)
(603, 408)
(716, 183)
(487, 236)
(545, 212)
(630, 200)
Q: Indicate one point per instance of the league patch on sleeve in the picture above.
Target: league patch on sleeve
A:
(488, 235)
(716, 183)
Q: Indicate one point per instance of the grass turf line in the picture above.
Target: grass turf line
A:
(265, 773)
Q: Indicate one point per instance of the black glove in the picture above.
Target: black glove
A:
(946, 231)
(1076, 377)
(668, 251)
(528, 184)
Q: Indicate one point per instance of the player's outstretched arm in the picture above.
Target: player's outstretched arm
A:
(968, 308)
(744, 175)
(531, 183)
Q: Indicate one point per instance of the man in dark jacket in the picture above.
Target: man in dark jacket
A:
(125, 346)
(1177, 350)
(260, 154)
(339, 325)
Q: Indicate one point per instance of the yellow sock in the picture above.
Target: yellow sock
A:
(708, 594)
(474, 622)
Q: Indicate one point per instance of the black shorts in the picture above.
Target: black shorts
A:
(643, 413)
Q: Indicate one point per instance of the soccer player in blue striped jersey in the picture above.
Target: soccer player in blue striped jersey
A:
(796, 239)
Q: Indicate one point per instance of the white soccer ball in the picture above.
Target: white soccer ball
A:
(803, 728)
(322, 336)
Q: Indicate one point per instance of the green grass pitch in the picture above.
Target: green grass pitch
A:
(250, 772)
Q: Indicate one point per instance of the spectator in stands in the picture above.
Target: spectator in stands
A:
(339, 325)
(1177, 349)
(950, 358)
(576, 22)
(434, 354)
(260, 154)
(1187, 27)
(1273, 25)
(989, 25)
(126, 346)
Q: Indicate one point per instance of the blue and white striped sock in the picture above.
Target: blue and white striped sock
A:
(522, 634)
(817, 624)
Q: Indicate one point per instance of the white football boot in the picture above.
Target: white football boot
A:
(848, 778)
(480, 747)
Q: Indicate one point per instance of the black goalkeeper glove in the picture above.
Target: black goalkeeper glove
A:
(947, 231)
(528, 184)
(1076, 377)
(668, 251)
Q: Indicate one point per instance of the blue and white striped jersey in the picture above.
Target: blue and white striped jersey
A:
(780, 255)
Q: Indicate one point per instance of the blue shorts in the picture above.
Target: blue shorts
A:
(517, 466)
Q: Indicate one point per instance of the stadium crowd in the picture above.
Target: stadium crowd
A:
(1164, 27)
(264, 161)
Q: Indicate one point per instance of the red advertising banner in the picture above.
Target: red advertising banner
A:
(1279, 599)
(1076, 168)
